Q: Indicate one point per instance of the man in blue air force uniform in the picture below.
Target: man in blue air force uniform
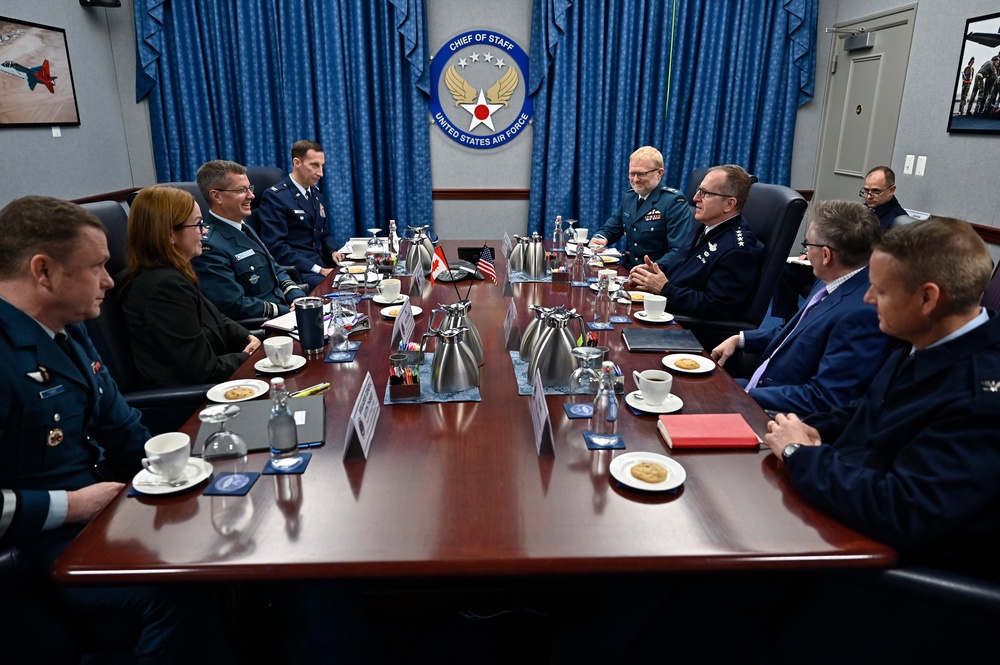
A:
(655, 219)
(714, 271)
(236, 271)
(293, 221)
(827, 354)
(68, 440)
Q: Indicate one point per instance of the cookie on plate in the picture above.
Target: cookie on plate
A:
(649, 472)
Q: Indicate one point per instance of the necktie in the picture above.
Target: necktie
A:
(308, 195)
(63, 341)
(817, 297)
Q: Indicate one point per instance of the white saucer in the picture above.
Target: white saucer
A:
(264, 365)
(393, 312)
(196, 471)
(637, 297)
(356, 257)
(594, 287)
(621, 469)
(400, 299)
(610, 259)
(704, 364)
(218, 393)
(353, 269)
(666, 318)
(346, 264)
(671, 404)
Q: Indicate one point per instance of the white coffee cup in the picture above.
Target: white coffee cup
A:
(654, 384)
(654, 305)
(389, 289)
(581, 234)
(167, 455)
(359, 247)
(610, 273)
(279, 351)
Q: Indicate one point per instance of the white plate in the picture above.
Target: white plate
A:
(621, 469)
(196, 471)
(666, 318)
(356, 257)
(610, 259)
(594, 287)
(637, 297)
(353, 269)
(400, 299)
(392, 312)
(671, 404)
(704, 364)
(346, 264)
(218, 393)
(264, 365)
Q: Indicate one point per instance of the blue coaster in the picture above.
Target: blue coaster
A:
(579, 284)
(558, 250)
(620, 319)
(231, 484)
(592, 280)
(617, 445)
(577, 410)
(599, 326)
(340, 356)
(269, 470)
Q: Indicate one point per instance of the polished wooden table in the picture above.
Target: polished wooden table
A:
(457, 489)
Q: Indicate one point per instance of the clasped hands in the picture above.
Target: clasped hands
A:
(648, 276)
(787, 428)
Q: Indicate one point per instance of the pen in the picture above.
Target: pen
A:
(312, 390)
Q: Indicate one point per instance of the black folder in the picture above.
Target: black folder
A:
(661, 340)
(251, 424)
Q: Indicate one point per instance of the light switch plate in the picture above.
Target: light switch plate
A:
(908, 165)
(921, 164)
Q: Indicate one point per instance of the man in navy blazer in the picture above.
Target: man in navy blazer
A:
(914, 463)
(713, 273)
(293, 221)
(236, 271)
(827, 354)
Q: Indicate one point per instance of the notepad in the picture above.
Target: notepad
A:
(661, 340)
(707, 430)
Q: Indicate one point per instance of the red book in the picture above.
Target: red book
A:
(707, 430)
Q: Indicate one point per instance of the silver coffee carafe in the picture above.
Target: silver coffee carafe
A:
(531, 332)
(457, 316)
(517, 254)
(552, 354)
(533, 260)
(454, 369)
(420, 250)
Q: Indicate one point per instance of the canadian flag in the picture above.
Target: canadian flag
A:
(438, 264)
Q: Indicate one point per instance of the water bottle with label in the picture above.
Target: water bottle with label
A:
(605, 419)
(281, 432)
(559, 241)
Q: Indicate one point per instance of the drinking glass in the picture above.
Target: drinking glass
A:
(585, 379)
(224, 449)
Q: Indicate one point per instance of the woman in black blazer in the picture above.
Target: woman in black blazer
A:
(177, 336)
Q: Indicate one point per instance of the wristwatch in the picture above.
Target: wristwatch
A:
(788, 450)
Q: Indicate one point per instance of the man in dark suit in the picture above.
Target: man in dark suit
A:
(914, 463)
(235, 269)
(714, 271)
(68, 439)
(654, 218)
(826, 356)
(293, 221)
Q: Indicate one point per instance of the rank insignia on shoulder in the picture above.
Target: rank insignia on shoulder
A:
(990, 386)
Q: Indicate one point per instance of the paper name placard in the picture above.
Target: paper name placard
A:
(540, 418)
(363, 420)
(418, 281)
(505, 246)
(402, 328)
(508, 290)
(511, 332)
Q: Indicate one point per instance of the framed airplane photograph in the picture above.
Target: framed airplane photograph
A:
(975, 107)
(36, 80)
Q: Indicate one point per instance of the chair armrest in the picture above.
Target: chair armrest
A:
(165, 397)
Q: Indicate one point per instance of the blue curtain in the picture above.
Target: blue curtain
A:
(705, 81)
(244, 80)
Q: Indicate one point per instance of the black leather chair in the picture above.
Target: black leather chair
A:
(261, 177)
(163, 409)
(773, 213)
(991, 298)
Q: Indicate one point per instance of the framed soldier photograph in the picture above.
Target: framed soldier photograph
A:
(36, 81)
(975, 107)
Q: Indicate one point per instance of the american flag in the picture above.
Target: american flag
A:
(485, 264)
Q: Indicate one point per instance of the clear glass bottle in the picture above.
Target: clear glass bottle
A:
(578, 272)
(602, 303)
(558, 238)
(605, 419)
(393, 237)
(281, 433)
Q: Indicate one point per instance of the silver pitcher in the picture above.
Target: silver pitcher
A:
(552, 354)
(516, 258)
(420, 250)
(454, 369)
(531, 332)
(457, 316)
(533, 260)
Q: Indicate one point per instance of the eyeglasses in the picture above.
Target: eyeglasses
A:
(632, 175)
(870, 193)
(704, 193)
(242, 191)
(807, 245)
(201, 226)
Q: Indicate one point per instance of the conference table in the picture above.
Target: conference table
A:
(458, 489)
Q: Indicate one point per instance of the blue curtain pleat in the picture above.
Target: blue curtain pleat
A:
(243, 81)
(707, 82)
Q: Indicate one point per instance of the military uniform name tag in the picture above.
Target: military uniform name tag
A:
(54, 390)
(243, 255)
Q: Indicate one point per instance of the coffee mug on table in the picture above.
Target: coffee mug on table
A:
(654, 384)
(581, 234)
(279, 350)
(654, 305)
(359, 247)
(389, 289)
(167, 455)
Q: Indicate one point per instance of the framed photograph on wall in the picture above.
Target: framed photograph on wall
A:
(975, 107)
(36, 81)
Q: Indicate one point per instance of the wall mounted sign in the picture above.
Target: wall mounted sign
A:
(479, 82)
